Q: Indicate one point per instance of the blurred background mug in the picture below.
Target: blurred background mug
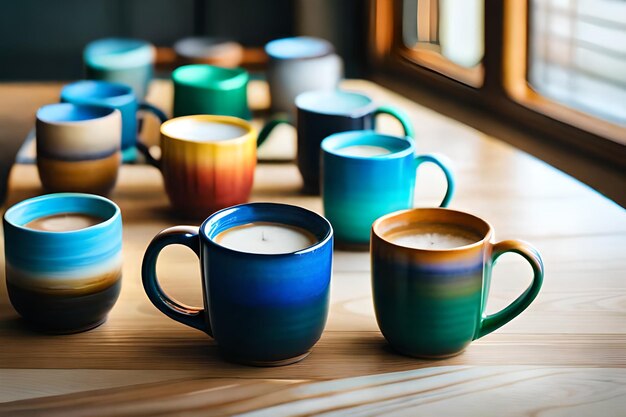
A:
(322, 113)
(431, 273)
(78, 147)
(63, 260)
(366, 175)
(120, 60)
(266, 271)
(207, 162)
(300, 64)
(207, 89)
(116, 96)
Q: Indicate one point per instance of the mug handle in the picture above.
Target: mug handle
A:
(177, 235)
(494, 321)
(398, 115)
(269, 127)
(442, 162)
(141, 147)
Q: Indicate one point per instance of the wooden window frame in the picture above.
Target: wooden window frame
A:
(504, 89)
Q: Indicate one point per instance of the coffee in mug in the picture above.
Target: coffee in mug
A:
(64, 222)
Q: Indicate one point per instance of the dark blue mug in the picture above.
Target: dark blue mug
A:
(366, 175)
(321, 113)
(117, 96)
(265, 305)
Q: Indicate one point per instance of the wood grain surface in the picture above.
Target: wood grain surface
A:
(565, 355)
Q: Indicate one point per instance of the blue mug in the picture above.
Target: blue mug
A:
(265, 305)
(121, 60)
(366, 175)
(116, 96)
(63, 257)
(322, 113)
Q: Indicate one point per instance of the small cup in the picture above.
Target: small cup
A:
(207, 89)
(431, 272)
(322, 113)
(208, 50)
(63, 260)
(300, 64)
(78, 147)
(366, 175)
(120, 60)
(207, 163)
(116, 96)
(266, 305)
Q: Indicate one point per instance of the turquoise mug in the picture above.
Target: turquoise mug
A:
(121, 60)
(366, 175)
(266, 271)
(115, 96)
(63, 256)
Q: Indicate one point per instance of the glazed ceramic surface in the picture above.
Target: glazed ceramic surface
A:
(120, 60)
(63, 282)
(356, 190)
(261, 309)
(322, 113)
(300, 64)
(206, 169)
(207, 89)
(431, 303)
(78, 147)
(116, 96)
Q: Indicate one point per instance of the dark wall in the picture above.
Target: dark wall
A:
(43, 39)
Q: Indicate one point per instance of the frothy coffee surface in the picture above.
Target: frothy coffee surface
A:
(364, 150)
(203, 131)
(433, 236)
(64, 222)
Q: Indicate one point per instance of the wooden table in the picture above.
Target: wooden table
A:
(564, 356)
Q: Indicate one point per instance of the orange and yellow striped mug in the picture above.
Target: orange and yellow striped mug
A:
(207, 163)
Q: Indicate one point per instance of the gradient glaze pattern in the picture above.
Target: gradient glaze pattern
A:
(430, 303)
(261, 309)
(78, 147)
(358, 190)
(63, 281)
(202, 177)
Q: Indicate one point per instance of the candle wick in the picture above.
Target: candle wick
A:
(263, 235)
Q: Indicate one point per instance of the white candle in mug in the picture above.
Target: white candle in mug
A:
(364, 150)
(432, 236)
(266, 238)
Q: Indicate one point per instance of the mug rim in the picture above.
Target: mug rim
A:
(54, 196)
(107, 112)
(326, 48)
(355, 112)
(330, 145)
(117, 50)
(74, 92)
(214, 118)
(486, 237)
(237, 78)
(223, 213)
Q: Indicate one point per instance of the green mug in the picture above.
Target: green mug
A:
(431, 270)
(207, 89)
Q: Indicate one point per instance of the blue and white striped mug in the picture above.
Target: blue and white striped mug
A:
(63, 257)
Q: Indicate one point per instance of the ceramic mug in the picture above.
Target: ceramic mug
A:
(78, 147)
(116, 96)
(120, 60)
(322, 113)
(431, 273)
(300, 64)
(207, 162)
(366, 175)
(62, 277)
(262, 309)
(207, 89)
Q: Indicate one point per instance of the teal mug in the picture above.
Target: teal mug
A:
(207, 89)
(121, 60)
(366, 175)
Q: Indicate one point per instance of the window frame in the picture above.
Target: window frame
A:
(505, 90)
